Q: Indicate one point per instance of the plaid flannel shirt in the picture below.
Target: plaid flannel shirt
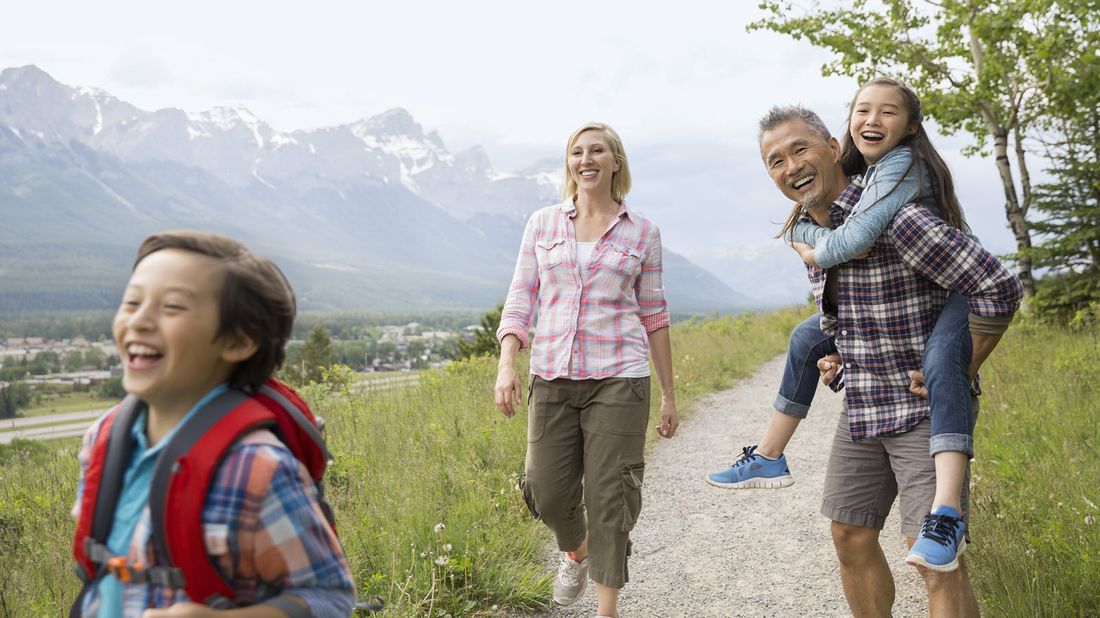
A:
(263, 527)
(887, 305)
(593, 320)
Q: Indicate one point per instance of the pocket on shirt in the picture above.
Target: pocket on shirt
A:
(623, 260)
(550, 252)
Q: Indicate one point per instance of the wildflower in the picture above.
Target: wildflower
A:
(442, 560)
(447, 547)
(423, 554)
(1089, 520)
(439, 527)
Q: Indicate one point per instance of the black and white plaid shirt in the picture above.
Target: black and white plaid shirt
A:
(887, 304)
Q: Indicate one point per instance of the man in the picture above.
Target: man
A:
(881, 311)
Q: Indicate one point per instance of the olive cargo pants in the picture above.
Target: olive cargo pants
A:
(591, 431)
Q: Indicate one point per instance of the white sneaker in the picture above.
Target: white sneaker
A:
(571, 580)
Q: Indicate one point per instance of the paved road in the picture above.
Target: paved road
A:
(703, 551)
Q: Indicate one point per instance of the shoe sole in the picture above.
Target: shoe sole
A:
(778, 482)
(918, 560)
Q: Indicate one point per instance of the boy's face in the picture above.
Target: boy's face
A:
(165, 329)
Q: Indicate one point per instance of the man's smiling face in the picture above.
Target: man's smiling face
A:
(802, 164)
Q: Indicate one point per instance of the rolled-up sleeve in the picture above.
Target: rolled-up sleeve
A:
(956, 262)
(519, 306)
(649, 287)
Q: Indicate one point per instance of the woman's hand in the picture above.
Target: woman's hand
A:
(506, 392)
(804, 251)
(669, 420)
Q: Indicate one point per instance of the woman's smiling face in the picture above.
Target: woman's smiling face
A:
(591, 162)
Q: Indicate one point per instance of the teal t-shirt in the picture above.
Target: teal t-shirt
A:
(134, 497)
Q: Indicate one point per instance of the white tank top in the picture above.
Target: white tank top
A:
(584, 254)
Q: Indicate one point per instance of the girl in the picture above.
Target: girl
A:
(592, 267)
(885, 143)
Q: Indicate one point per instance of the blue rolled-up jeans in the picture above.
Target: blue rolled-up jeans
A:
(946, 360)
(800, 376)
(946, 363)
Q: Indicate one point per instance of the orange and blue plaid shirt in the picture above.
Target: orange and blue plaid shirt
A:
(593, 318)
(888, 303)
(263, 528)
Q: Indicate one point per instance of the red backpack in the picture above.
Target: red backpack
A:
(181, 479)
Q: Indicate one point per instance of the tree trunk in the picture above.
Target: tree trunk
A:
(1015, 214)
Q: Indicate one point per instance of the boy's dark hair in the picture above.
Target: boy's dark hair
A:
(255, 299)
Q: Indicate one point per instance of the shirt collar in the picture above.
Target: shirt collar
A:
(138, 431)
(568, 208)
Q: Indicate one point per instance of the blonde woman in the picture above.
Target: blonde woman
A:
(591, 267)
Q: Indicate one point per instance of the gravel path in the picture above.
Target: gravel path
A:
(703, 551)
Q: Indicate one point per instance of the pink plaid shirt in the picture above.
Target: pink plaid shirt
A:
(593, 318)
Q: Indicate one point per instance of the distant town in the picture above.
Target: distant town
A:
(40, 375)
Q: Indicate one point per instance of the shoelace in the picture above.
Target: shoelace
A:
(940, 528)
(748, 453)
(570, 568)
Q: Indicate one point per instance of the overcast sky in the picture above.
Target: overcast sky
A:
(682, 82)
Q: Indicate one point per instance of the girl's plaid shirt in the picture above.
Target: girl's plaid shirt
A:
(593, 318)
(887, 305)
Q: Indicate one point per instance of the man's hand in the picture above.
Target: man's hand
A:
(916, 385)
(828, 366)
(804, 251)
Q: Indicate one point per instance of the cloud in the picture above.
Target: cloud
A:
(139, 68)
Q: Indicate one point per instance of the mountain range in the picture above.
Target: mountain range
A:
(373, 214)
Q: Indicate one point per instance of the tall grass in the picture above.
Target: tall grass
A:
(1036, 499)
(424, 483)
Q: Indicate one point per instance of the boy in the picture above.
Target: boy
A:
(202, 314)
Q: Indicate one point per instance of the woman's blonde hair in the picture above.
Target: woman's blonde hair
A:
(620, 180)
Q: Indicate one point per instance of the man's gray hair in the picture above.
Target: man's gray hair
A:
(783, 113)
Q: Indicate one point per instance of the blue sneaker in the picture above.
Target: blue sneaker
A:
(753, 471)
(942, 540)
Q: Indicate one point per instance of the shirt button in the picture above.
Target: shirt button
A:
(848, 365)
(843, 332)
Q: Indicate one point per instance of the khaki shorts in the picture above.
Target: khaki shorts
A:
(863, 478)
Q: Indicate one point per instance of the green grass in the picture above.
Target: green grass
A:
(1036, 501)
(410, 458)
(407, 459)
(68, 402)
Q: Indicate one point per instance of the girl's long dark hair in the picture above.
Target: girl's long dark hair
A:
(925, 156)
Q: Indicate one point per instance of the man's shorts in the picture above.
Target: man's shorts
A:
(863, 478)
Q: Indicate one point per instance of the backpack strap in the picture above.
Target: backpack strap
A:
(315, 456)
(110, 456)
(181, 480)
(303, 423)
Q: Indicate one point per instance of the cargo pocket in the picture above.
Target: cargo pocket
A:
(528, 499)
(536, 411)
(633, 475)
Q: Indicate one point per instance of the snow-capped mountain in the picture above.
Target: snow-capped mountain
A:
(373, 213)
